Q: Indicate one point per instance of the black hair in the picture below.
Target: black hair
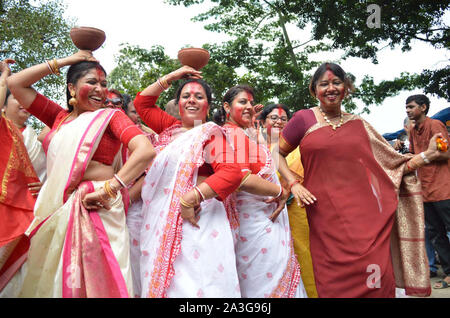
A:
(77, 71)
(420, 99)
(229, 96)
(126, 100)
(8, 92)
(269, 108)
(336, 70)
(205, 86)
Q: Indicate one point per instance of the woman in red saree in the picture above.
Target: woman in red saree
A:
(16, 173)
(78, 237)
(364, 206)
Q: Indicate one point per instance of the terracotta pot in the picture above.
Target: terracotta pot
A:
(193, 57)
(87, 38)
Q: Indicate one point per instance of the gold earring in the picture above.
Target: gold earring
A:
(73, 101)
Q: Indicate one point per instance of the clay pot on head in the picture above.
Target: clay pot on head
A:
(87, 38)
(193, 57)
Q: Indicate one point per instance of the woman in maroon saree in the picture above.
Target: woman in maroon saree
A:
(364, 206)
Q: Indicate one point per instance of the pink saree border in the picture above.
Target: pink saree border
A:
(100, 231)
(76, 167)
(111, 258)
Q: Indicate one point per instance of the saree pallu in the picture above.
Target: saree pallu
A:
(35, 152)
(367, 223)
(177, 259)
(73, 252)
(16, 202)
(266, 262)
(134, 223)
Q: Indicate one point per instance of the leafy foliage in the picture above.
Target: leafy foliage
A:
(280, 68)
(32, 33)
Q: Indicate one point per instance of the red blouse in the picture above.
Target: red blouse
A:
(223, 177)
(153, 116)
(120, 129)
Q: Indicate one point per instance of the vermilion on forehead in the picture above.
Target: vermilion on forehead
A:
(249, 97)
(111, 95)
(96, 73)
(193, 88)
(100, 72)
(281, 111)
(328, 75)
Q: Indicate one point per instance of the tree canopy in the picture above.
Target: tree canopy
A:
(32, 32)
(281, 67)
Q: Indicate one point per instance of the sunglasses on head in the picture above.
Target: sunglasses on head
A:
(115, 101)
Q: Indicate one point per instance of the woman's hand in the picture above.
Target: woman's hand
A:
(281, 200)
(80, 56)
(4, 66)
(183, 72)
(34, 188)
(190, 214)
(96, 200)
(302, 195)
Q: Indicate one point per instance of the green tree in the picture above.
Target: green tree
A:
(32, 32)
(282, 67)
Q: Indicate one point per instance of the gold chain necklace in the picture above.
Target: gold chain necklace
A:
(62, 121)
(329, 122)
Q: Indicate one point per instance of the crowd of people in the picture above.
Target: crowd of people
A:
(118, 197)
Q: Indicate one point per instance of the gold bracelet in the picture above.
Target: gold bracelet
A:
(160, 85)
(55, 67)
(49, 67)
(164, 82)
(244, 179)
(108, 190)
(197, 197)
(185, 204)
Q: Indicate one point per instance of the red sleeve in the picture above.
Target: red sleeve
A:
(153, 116)
(123, 128)
(227, 175)
(45, 110)
(295, 129)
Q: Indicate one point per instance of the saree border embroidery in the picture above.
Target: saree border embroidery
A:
(17, 156)
(408, 238)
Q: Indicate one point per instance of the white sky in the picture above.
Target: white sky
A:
(151, 22)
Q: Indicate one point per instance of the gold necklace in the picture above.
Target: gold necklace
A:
(329, 122)
(63, 120)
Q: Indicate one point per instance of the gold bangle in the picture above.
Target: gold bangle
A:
(164, 84)
(185, 204)
(108, 190)
(244, 179)
(55, 67)
(197, 197)
(49, 67)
